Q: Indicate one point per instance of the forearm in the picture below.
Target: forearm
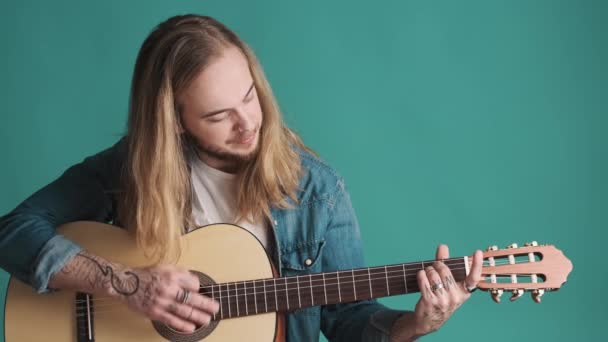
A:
(92, 274)
(163, 293)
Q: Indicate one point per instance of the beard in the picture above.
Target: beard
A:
(223, 155)
(236, 160)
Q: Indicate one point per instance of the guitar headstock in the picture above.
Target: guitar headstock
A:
(535, 268)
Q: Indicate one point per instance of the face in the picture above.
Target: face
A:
(221, 111)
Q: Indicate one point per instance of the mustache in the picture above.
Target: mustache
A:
(245, 135)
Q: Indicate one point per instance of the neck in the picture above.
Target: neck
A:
(227, 166)
(289, 293)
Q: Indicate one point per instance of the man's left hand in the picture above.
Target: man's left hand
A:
(441, 295)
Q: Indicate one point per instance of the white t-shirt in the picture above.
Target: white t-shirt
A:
(215, 201)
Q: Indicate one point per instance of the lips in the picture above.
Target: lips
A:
(246, 139)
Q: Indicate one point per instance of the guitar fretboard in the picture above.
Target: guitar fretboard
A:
(289, 293)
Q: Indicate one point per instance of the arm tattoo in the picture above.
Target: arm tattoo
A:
(125, 287)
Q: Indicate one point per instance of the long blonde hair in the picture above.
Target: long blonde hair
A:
(157, 205)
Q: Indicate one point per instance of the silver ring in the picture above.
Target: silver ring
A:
(470, 289)
(185, 296)
(436, 286)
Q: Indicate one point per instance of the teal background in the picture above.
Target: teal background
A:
(462, 122)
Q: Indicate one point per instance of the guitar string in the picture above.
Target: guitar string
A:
(264, 287)
(448, 262)
(296, 278)
(411, 284)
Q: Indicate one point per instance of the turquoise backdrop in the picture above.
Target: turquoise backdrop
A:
(462, 122)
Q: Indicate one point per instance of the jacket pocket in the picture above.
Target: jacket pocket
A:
(299, 260)
(302, 258)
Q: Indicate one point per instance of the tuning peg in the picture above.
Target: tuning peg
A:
(496, 295)
(513, 245)
(536, 294)
(531, 244)
(492, 248)
(516, 294)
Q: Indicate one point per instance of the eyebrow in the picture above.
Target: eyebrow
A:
(225, 109)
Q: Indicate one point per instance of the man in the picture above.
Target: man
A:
(206, 144)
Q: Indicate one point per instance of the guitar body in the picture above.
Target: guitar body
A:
(225, 253)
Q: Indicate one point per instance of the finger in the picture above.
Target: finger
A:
(186, 312)
(188, 281)
(204, 303)
(474, 276)
(445, 275)
(181, 295)
(174, 321)
(424, 285)
(443, 252)
(434, 280)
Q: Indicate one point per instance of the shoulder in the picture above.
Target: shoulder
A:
(108, 159)
(107, 165)
(319, 181)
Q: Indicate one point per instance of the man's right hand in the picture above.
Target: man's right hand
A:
(165, 293)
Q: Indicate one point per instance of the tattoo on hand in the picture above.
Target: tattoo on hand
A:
(449, 282)
(149, 292)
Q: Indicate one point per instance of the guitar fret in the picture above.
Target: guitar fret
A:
(404, 278)
(286, 294)
(246, 300)
(276, 301)
(213, 297)
(324, 288)
(339, 293)
(229, 309)
(221, 304)
(299, 297)
(312, 300)
(238, 312)
(388, 291)
(255, 297)
(371, 293)
(354, 287)
(265, 297)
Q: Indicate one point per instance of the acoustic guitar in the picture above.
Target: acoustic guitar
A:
(235, 270)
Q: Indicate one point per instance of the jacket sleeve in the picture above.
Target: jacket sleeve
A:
(30, 248)
(359, 321)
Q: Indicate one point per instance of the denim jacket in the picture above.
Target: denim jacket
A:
(320, 234)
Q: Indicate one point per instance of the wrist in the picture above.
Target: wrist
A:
(407, 329)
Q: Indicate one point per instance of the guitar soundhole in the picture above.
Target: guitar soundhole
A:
(200, 332)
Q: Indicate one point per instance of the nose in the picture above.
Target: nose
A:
(244, 122)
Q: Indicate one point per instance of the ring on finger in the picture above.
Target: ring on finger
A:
(184, 296)
(436, 286)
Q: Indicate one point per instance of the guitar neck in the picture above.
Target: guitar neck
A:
(252, 297)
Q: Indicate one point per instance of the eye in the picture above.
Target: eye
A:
(217, 117)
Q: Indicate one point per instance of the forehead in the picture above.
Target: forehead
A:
(222, 83)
